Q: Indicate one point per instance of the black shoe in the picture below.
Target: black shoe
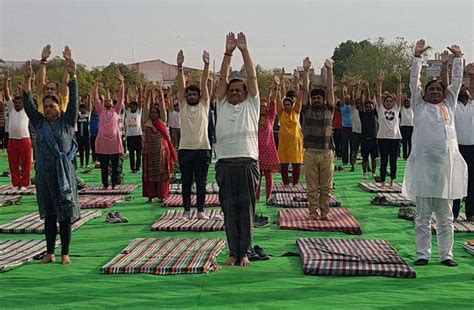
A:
(253, 255)
(120, 216)
(352, 169)
(449, 263)
(111, 218)
(420, 262)
(261, 253)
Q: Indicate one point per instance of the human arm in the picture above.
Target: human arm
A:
(27, 96)
(471, 79)
(45, 53)
(252, 85)
(444, 68)
(181, 77)
(6, 86)
(379, 92)
(398, 76)
(230, 45)
(204, 78)
(304, 93)
(73, 105)
(331, 101)
(121, 97)
(457, 72)
(415, 75)
(161, 102)
(97, 102)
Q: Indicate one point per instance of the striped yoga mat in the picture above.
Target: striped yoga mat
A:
(9, 200)
(469, 246)
(392, 199)
(104, 201)
(212, 200)
(167, 256)
(346, 257)
(299, 200)
(341, 221)
(282, 188)
(11, 190)
(99, 190)
(407, 213)
(461, 225)
(177, 188)
(31, 223)
(172, 221)
(14, 253)
(378, 188)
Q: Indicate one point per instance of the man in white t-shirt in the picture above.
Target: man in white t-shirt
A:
(406, 127)
(237, 171)
(19, 143)
(133, 132)
(194, 149)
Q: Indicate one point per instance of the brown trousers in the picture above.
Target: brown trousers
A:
(319, 179)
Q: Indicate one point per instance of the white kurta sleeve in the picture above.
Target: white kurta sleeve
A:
(415, 83)
(456, 82)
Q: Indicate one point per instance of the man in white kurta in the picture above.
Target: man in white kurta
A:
(436, 173)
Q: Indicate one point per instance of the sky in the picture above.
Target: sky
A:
(279, 33)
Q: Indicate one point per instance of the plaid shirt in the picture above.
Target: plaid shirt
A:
(317, 128)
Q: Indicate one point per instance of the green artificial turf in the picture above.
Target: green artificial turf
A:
(277, 283)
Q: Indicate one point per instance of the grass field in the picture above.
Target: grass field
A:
(275, 284)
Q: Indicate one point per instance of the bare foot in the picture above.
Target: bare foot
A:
(65, 259)
(325, 217)
(244, 261)
(49, 258)
(314, 217)
(232, 261)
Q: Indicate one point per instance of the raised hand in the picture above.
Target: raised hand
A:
(230, 43)
(276, 80)
(445, 57)
(180, 58)
(67, 53)
(241, 41)
(8, 76)
(119, 74)
(296, 74)
(71, 66)
(98, 78)
(46, 52)
(456, 50)
(205, 57)
(328, 63)
(421, 47)
(28, 71)
(306, 64)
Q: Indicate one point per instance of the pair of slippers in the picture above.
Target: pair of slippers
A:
(116, 217)
(258, 254)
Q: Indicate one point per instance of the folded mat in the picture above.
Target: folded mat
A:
(346, 257)
(177, 188)
(392, 199)
(212, 200)
(11, 190)
(378, 188)
(14, 253)
(341, 221)
(460, 225)
(31, 223)
(9, 200)
(172, 221)
(282, 188)
(299, 200)
(407, 213)
(100, 201)
(118, 190)
(469, 246)
(166, 256)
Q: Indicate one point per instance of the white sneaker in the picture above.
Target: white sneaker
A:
(202, 216)
(22, 188)
(186, 215)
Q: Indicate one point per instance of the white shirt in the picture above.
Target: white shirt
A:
(406, 116)
(389, 127)
(435, 167)
(17, 122)
(237, 128)
(194, 124)
(174, 120)
(356, 124)
(464, 120)
(133, 123)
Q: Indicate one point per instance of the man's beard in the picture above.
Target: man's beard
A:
(193, 103)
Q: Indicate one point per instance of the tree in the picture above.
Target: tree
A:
(343, 53)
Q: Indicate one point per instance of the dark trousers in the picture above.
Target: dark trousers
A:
(346, 138)
(92, 145)
(295, 176)
(51, 230)
(407, 132)
(388, 151)
(337, 136)
(194, 165)
(467, 152)
(104, 160)
(134, 144)
(84, 149)
(238, 182)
